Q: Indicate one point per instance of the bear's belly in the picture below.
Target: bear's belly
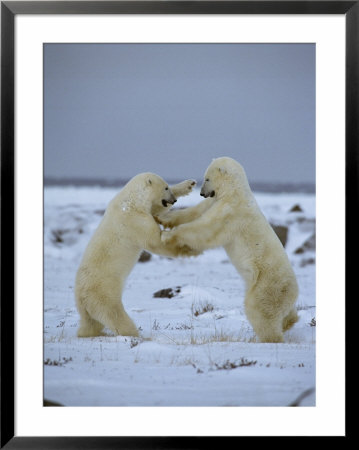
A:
(242, 259)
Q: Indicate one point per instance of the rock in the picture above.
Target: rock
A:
(305, 224)
(309, 244)
(57, 236)
(306, 262)
(296, 208)
(299, 251)
(144, 257)
(282, 232)
(302, 219)
(61, 237)
(167, 293)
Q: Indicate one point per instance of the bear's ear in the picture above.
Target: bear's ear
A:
(221, 170)
(149, 181)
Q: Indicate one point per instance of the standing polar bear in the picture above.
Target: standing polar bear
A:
(127, 228)
(230, 217)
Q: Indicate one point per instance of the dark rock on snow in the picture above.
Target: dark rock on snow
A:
(282, 232)
(307, 261)
(144, 257)
(296, 208)
(309, 244)
(167, 293)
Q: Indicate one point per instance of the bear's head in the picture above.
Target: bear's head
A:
(222, 176)
(152, 191)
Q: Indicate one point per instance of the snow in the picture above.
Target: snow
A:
(196, 348)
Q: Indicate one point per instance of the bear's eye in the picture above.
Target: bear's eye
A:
(207, 179)
(166, 189)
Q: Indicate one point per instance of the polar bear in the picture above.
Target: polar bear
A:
(230, 217)
(127, 228)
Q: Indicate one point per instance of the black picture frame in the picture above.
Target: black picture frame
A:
(9, 9)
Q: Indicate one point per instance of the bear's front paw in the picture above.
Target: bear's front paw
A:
(191, 184)
(185, 250)
(158, 220)
(184, 188)
(166, 223)
(167, 237)
(172, 241)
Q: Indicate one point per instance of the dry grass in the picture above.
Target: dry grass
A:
(201, 308)
(221, 336)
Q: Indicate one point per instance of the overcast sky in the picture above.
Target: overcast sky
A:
(114, 110)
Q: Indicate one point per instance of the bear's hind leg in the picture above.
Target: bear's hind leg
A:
(267, 328)
(89, 327)
(270, 333)
(290, 319)
(116, 319)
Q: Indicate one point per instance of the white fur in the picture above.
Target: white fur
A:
(232, 219)
(127, 228)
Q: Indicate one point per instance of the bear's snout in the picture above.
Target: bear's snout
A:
(165, 202)
(207, 194)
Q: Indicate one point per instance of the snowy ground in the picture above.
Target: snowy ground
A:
(196, 348)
